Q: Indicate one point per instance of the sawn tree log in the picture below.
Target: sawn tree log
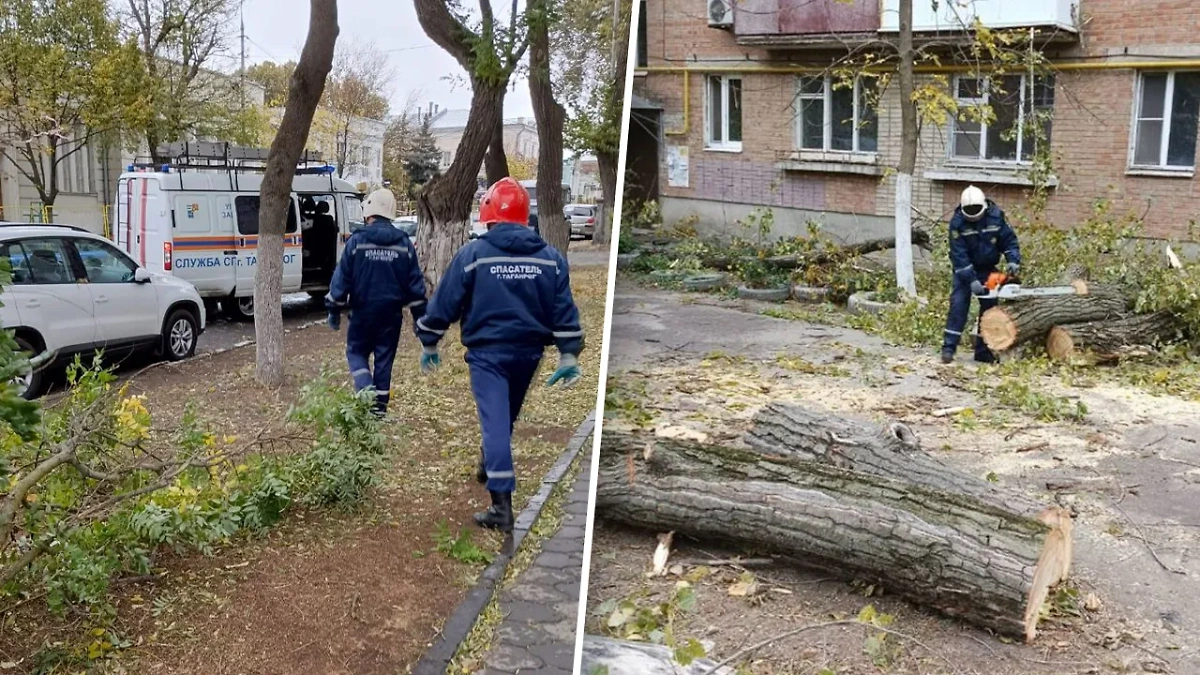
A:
(1016, 322)
(798, 260)
(1106, 339)
(861, 502)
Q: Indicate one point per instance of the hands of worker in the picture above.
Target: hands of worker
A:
(430, 359)
(977, 288)
(334, 320)
(1012, 268)
(567, 373)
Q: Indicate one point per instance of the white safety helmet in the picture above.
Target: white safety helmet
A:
(973, 203)
(381, 203)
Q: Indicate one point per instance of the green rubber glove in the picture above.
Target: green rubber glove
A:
(430, 359)
(567, 373)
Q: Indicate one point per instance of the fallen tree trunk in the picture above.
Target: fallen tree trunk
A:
(795, 260)
(1020, 321)
(1106, 339)
(855, 500)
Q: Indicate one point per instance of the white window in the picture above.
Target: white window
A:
(1168, 106)
(997, 117)
(724, 106)
(837, 116)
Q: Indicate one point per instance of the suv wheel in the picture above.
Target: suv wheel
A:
(241, 309)
(30, 385)
(179, 335)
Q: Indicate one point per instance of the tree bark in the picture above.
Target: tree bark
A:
(797, 261)
(550, 118)
(1107, 339)
(905, 277)
(607, 164)
(1029, 320)
(851, 499)
(444, 206)
(495, 162)
(304, 94)
(607, 159)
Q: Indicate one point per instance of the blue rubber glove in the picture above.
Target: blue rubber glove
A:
(977, 288)
(334, 320)
(1012, 269)
(567, 373)
(430, 359)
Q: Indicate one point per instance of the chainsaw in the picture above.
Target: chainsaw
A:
(1001, 286)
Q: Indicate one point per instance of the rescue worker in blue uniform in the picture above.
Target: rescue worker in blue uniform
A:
(979, 235)
(511, 293)
(378, 277)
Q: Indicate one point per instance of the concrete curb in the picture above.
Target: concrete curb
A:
(462, 620)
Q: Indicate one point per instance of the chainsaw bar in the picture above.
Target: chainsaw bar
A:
(1011, 291)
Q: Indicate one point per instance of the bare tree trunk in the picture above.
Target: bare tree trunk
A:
(607, 159)
(550, 118)
(495, 162)
(444, 207)
(304, 94)
(905, 278)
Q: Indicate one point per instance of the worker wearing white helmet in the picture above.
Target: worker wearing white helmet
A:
(979, 235)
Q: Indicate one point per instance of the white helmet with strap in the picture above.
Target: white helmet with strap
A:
(973, 203)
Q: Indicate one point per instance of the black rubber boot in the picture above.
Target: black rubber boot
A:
(481, 470)
(947, 356)
(499, 515)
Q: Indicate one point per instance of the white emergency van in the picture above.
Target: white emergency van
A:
(200, 223)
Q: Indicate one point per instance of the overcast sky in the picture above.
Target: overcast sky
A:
(275, 31)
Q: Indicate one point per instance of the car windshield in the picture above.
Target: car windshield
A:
(582, 211)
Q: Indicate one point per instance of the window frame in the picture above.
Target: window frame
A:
(1164, 139)
(985, 90)
(826, 97)
(291, 227)
(722, 145)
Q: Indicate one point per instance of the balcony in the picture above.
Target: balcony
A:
(953, 15)
(838, 24)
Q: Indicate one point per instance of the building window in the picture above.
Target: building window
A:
(724, 106)
(642, 60)
(1168, 107)
(837, 116)
(998, 119)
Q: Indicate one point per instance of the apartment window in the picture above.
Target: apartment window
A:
(642, 59)
(724, 112)
(996, 117)
(837, 116)
(1168, 106)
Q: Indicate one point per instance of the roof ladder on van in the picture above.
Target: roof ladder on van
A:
(225, 157)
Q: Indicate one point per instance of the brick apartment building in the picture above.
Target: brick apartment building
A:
(727, 116)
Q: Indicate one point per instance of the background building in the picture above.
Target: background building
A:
(447, 126)
(728, 116)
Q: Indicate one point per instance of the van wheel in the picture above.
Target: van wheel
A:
(179, 335)
(241, 309)
(30, 385)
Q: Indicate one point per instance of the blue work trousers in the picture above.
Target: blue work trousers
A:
(499, 382)
(956, 321)
(376, 335)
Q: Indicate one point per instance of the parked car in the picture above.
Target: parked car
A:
(73, 292)
(408, 224)
(582, 218)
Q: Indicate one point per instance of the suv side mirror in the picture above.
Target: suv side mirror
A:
(141, 276)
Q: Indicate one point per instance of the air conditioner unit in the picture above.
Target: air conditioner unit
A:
(720, 13)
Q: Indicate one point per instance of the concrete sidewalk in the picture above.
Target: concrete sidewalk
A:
(537, 635)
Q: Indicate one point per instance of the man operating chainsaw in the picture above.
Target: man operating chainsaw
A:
(979, 235)
(511, 293)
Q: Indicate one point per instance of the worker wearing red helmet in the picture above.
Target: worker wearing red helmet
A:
(511, 293)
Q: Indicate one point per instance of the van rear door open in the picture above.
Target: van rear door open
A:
(246, 209)
(203, 247)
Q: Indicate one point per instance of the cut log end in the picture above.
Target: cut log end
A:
(998, 329)
(1080, 286)
(1060, 346)
(1053, 565)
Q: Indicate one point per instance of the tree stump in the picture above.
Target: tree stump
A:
(855, 500)
(1107, 339)
(1029, 320)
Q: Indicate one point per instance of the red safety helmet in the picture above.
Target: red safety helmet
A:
(504, 202)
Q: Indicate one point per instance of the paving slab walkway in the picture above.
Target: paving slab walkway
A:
(537, 634)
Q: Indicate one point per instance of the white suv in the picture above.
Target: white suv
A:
(73, 292)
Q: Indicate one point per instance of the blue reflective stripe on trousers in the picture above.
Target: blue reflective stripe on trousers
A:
(499, 382)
